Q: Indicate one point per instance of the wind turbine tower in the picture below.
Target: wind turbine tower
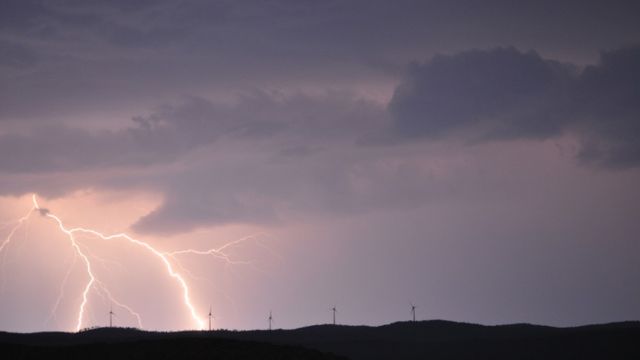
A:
(270, 320)
(334, 314)
(413, 312)
(111, 313)
(210, 316)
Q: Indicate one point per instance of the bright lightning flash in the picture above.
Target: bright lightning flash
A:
(168, 259)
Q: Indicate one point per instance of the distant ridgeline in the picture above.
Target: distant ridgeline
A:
(404, 340)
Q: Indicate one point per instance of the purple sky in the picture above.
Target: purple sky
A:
(478, 159)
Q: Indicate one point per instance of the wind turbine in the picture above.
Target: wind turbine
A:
(334, 314)
(111, 313)
(270, 320)
(210, 317)
(413, 312)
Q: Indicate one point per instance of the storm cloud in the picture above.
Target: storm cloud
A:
(607, 109)
(173, 130)
(264, 155)
(504, 94)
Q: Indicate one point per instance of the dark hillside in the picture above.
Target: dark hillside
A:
(403, 340)
(164, 348)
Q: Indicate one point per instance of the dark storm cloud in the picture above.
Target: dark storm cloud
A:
(101, 55)
(160, 137)
(209, 198)
(74, 59)
(303, 30)
(174, 130)
(486, 95)
(44, 19)
(607, 102)
(503, 92)
(260, 187)
(295, 153)
(263, 152)
(16, 56)
(18, 14)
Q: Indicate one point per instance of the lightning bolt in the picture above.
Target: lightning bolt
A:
(20, 221)
(52, 314)
(94, 284)
(9, 238)
(106, 291)
(216, 252)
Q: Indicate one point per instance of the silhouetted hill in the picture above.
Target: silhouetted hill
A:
(139, 345)
(435, 339)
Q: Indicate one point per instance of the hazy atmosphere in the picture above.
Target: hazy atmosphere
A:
(479, 160)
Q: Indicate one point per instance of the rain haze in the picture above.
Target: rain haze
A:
(479, 160)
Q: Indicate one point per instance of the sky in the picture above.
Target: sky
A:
(479, 160)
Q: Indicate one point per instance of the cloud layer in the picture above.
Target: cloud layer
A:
(242, 112)
(502, 94)
(265, 154)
